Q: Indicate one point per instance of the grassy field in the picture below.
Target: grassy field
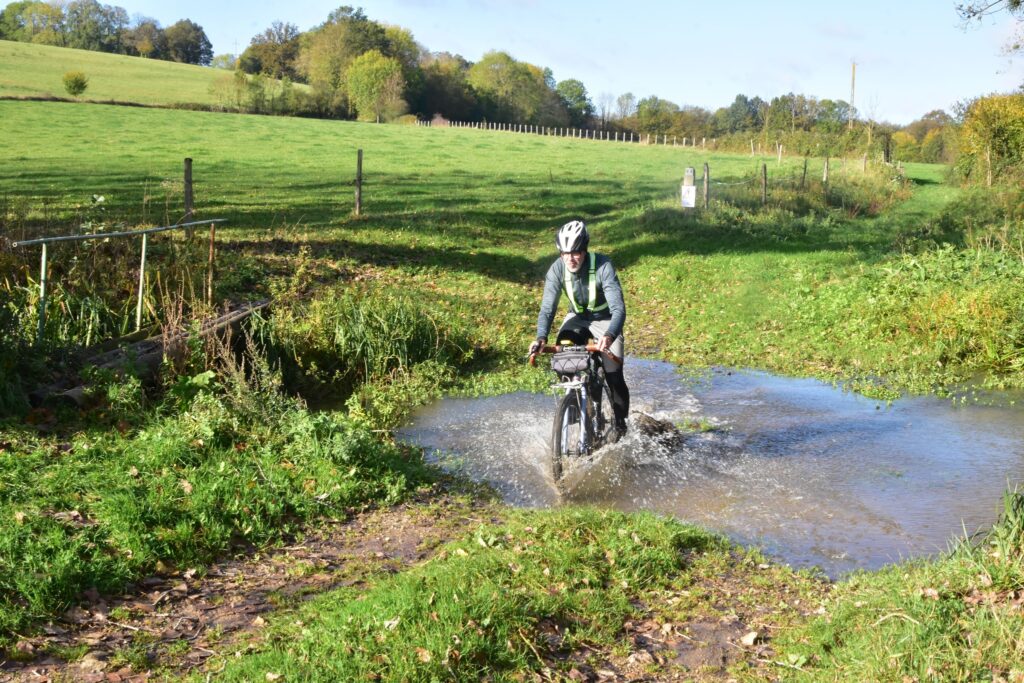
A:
(875, 281)
(28, 70)
(466, 214)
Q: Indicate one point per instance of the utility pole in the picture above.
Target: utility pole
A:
(853, 86)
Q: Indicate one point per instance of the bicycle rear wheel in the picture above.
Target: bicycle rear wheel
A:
(569, 435)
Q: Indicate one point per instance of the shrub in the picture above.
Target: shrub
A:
(75, 83)
(343, 338)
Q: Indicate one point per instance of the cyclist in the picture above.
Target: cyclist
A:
(596, 308)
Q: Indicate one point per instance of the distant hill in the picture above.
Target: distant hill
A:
(28, 70)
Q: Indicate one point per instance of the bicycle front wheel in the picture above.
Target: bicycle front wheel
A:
(569, 434)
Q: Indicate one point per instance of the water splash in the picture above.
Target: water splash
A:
(814, 475)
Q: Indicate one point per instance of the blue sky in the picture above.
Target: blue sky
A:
(912, 55)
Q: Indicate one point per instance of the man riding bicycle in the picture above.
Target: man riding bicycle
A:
(596, 308)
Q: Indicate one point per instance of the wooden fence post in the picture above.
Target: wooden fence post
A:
(359, 182)
(864, 164)
(803, 178)
(707, 185)
(780, 154)
(188, 195)
(751, 148)
(824, 175)
(764, 183)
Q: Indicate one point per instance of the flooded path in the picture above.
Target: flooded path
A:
(813, 475)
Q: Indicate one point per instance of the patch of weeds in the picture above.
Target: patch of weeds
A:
(282, 600)
(121, 613)
(176, 649)
(138, 655)
(215, 633)
(300, 568)
(68, 653)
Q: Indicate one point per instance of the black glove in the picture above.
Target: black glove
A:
(536, 346)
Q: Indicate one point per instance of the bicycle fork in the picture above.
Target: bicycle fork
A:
(585, 420)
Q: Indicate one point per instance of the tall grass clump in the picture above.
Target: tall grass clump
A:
(991, 219)
(233, 462)
(509, 601)
(344, 337)
(956, 618)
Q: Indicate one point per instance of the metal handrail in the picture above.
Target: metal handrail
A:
(123, 233)
(142, 265)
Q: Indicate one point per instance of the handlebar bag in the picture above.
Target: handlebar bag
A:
(568, 363)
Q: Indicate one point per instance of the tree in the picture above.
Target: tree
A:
(147, 39)
(992, 137)
(44, 24)
(226, 61)
(625, 105)
(445, 88)
(605, 103)
(12, 21)
(375, 86)
(401, 44)
(509, 90)
(273, 52)
(977, 10)
(75, 82)
(187, 43)
(326, 52)
(576, 101)
(655, 116)
(92, 26)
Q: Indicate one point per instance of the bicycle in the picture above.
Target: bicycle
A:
(584, 418)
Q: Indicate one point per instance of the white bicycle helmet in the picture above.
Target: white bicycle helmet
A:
(572, 236)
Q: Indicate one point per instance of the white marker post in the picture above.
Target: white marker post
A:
(689, 190)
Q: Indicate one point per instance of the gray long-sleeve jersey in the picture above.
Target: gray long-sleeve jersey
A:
(608, 289)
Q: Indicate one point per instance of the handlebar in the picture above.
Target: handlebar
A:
(555, 348)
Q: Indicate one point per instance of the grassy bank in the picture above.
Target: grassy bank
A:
(120, 490)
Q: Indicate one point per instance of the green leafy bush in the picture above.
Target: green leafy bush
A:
(75, 83)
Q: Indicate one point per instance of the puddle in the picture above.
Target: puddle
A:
(813, 475)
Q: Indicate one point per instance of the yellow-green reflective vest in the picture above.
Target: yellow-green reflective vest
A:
(592, 293)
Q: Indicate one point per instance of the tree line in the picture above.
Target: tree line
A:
(89, 25)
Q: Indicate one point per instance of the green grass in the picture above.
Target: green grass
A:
(540, 594)
(466, 215)
(28, 70)
(221, 465)
(957, 618)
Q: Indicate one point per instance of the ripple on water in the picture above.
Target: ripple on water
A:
(814, 475)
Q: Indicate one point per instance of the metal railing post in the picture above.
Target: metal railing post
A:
(142, 284)
(42, 297)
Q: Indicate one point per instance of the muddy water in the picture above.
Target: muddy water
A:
(813, 475)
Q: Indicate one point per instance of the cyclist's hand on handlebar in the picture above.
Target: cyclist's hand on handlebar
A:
(537, 345)
(604, 343)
